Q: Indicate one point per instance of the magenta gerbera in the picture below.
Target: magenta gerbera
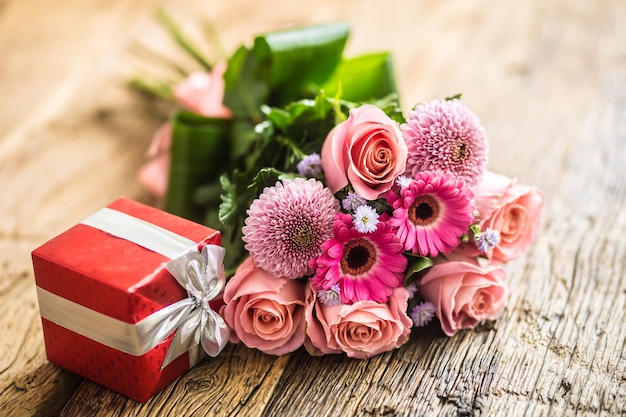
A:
(366, 266)
(432, 213)
(444, 135)
(287, 225)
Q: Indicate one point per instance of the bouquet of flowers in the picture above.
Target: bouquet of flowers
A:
(347, 222)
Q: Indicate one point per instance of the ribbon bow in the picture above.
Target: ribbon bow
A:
(202, 275)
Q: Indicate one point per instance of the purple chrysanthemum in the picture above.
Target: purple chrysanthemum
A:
(432, 213)
(444, 135)
(287, 224)
(330, 297)
(352, 202)
(412, 289)
(422, 313)
(366, 266)
(310, 165)
(487, 240)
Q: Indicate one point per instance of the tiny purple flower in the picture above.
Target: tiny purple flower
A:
(412, 289)
(330, 297)
(310, 166)
(422, 313)
(352, 202)
(486, 240)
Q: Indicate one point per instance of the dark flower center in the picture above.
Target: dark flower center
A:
(358, 257)
(462, 152)
(424, 210)
(303, 236)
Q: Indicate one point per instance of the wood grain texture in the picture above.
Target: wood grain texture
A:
(548, 80)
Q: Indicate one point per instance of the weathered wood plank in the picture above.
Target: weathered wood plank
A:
(548, 79)
(200, 392)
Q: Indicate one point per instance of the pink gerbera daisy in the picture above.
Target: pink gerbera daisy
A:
(432, 213)
(287, 225)
(444, 135)
(366, 266)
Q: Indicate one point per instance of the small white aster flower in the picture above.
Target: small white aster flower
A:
(403, 181)
(365, 219)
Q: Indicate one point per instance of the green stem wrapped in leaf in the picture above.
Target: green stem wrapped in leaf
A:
(198, 156)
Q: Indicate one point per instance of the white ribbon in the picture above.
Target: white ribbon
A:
(202, 275)
(196, 324)
(140, 232)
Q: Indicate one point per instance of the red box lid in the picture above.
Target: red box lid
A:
(112, 275)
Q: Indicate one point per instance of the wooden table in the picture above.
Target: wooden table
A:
(547, 78)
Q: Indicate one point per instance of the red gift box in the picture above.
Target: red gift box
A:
(99, 289)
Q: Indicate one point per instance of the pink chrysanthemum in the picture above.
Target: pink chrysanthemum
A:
(432, 213)
(444, 135)
(366, 266)
(287, 225)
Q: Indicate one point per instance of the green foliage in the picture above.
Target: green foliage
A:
(198, 154)
(245, 90)
(418, 265)
(286, 93)
(297, 61)
(364, 78)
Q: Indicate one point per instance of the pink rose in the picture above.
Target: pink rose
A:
(154, 173)
(201, 93)
(512, 209)
(361, 330)
(464, 293)
(264, 311)
(367, 150)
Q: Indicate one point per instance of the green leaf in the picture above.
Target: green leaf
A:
(208, 195)
(302, 111)
(297, 61)
(417, 264)
(199, 154)
(340, 116)
(267, 177)
(364, 78)
(245, 89)
(305, 122)
(454, 97)
(281, 67)
(243, 140)
(280, 117)
(229, 207)
(236, 199)
(231, 241)
(391, 106)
